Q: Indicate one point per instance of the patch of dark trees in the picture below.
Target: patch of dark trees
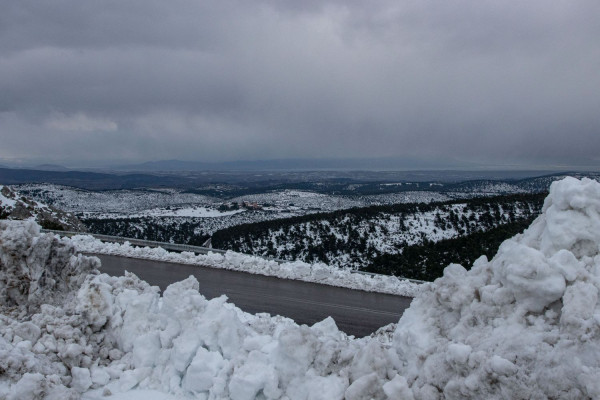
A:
(53, 225)
(427, 261)
(146, 229)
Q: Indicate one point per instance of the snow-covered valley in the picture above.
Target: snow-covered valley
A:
(131, 212)
(522, 325)
(134, 213)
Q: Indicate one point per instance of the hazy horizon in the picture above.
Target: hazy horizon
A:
(297, 164)
(467, 83)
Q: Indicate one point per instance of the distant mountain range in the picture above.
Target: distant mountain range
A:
(88, 180)
(370, 164)
(50, 167)
(236, 183)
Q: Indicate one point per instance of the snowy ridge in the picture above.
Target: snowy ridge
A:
(298, 270)
(523, 325)
(352, 239)
(15, 206)
(173, 215)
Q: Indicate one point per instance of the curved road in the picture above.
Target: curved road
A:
(355, 312)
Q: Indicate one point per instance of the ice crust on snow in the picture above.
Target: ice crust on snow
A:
(525, 324)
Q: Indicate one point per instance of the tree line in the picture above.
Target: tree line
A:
(427, 261)
(182, 232)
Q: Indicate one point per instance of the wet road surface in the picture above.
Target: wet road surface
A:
(355, 312)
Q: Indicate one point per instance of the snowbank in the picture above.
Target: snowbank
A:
(298, 270)
(524, 325)
(107, 336)
(38, 269)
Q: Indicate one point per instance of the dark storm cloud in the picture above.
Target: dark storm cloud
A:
(221, 80)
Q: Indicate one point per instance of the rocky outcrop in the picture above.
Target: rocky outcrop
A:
(13, 206)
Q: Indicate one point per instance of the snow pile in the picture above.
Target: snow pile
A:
(38, 269)
(42, 337)
(110, 335)
(525, 324)
(298, 270)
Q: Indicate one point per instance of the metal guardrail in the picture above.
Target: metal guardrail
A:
(190, 248)
(151, 243)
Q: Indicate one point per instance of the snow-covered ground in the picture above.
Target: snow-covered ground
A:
(409, 197)
(524, 325)
(114, 211)
(191, 211)
(7, 200)
(112, 202)
(300, 200)
(172, 207)
(175, 203)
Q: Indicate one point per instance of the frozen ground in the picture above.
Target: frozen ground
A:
(524, 325)
(191, 211)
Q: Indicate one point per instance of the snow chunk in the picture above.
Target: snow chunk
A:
(82, 379)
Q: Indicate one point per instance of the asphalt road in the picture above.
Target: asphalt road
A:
(355, 312)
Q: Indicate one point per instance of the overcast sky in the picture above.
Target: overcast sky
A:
(492, 82)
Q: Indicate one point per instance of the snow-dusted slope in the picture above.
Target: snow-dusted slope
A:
(162, 214)
(110, 201)
(15, 206)
(524, 325)
(353, 238)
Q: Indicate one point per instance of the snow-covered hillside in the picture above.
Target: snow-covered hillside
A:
(15, 206)
(354, 238)
(153, 213)
(111, 202)
(523, 325)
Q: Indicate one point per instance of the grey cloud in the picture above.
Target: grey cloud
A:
(223, 80)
